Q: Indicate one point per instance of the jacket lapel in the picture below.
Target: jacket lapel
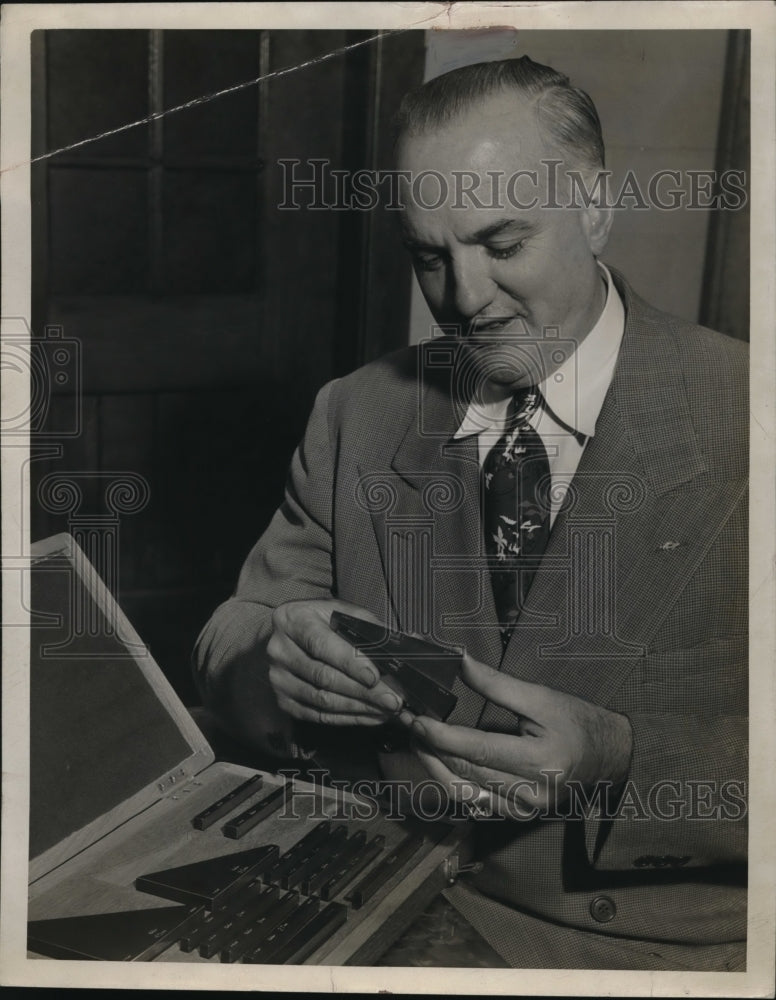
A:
(430, 540)
(643, 512)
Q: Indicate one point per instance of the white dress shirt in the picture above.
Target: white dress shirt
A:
(572, 398)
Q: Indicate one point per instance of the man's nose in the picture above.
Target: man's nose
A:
(472, 287)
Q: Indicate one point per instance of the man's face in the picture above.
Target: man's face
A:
(500, 273)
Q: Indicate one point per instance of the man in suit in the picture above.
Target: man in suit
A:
(605, 627)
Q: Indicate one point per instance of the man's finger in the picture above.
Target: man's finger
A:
(457, 789)
(308, 627)
(521, 697)
(497, 751)
(324, 699)
(516, 799)
(306, 714)
(505, 784)
(286, 656)
(478, 801)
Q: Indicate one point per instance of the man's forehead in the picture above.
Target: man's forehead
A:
(501, 126)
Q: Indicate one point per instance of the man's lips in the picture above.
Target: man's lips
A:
(479, 328)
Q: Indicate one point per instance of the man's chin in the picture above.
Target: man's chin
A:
(504, 371)
(509, 379)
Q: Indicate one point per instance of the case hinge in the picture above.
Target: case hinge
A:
(453, 868)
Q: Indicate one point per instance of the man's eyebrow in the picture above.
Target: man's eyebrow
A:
(486, 233)
(496, 228)
(414, 244)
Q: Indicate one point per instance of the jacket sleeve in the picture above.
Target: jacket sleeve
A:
(684, 802)
(291, 561)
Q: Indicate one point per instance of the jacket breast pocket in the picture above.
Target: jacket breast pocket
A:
(706, 678)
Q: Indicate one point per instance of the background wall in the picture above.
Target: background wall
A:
(208, 318)
(659, 96)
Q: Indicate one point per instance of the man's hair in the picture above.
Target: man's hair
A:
(565, 113)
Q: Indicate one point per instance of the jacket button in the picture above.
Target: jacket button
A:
(387, 747)
(603, 909)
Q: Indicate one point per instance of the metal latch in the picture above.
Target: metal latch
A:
(452, 868)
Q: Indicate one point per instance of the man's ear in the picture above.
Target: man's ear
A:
(597, 220)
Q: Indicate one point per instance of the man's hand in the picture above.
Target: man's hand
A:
(557, 738)
(317, 675)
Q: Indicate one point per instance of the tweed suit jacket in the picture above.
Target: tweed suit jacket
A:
(639, 606)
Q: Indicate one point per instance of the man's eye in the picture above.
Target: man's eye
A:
(427, 261)
(504, 253)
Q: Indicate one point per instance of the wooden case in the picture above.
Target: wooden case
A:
(85, 858)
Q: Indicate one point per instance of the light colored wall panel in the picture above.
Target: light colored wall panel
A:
(658, 95)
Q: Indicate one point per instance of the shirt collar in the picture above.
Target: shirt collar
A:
(590, 367)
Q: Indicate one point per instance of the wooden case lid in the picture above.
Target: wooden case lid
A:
(108, 734)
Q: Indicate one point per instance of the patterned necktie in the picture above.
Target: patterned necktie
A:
(515, 514)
